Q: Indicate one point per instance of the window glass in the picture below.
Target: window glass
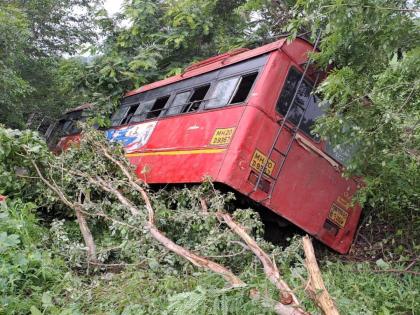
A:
(119, 115)
(313, 112)
(196, 99)
(222, 93)
(342, 153)
(180, 100)
(244, 88)
(142, 110)
(157, 108)
(303, 99)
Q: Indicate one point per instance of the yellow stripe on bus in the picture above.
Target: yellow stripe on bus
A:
(179, 152)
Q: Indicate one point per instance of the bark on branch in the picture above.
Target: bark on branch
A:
(317, 288)
(270, 268)
(81, 220)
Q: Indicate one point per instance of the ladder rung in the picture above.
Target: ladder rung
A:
(280, 152)
(292, 129)
(301, 106)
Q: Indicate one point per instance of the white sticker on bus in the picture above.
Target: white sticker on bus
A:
(132, 137)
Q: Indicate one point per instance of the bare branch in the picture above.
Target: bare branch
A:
(81, 220)
(317, 287)
(270, 269)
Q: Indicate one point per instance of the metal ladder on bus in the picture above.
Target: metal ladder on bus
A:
(293, 130)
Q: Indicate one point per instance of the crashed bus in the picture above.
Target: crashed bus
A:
(243, 119)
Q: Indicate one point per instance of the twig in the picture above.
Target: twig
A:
(204, 206)
(411, 264)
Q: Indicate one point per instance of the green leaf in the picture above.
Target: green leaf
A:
(35, 311)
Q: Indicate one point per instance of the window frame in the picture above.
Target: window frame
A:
(213, 89)
(168, 106)
(309, 81)
(258, 64)
(193, 90)
(258, 71)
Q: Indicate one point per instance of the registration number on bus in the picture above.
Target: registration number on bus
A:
(258, 161)
(338, 215)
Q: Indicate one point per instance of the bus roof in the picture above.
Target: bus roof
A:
(78, 108)
(213, 63)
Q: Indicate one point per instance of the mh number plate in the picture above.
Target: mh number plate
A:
(338, 215)
(258, 162)
(222, 136)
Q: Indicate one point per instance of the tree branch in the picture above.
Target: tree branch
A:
(270, 268)
(318, 290)
(81, 220)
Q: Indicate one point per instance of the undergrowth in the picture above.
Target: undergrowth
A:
(43, 267)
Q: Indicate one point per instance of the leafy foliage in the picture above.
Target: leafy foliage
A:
(28, 270)
(373, 89)
(33, 36)
(370, 49)
(137, 275)
(15, 145)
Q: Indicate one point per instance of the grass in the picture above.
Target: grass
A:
(356, 287)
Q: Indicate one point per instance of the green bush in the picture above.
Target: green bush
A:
(29, 270)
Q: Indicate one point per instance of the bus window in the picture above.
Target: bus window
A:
(131, 110)
(149, 109)
(196, 99)
(342, 153)
(304, 98)
(180, 100)
(222, 92)
(66, 126)
(158, 106)
(119, 115)
(142, 111)
(244, 88)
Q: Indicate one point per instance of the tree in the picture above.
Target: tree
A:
(34, 36)
(374, 92)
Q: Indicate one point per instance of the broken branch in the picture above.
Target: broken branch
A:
(317, 287)
(81, 220)
(270, 269)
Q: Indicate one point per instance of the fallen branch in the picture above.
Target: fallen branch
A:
(81, 220)
(289, 302)
(270, 268)
(317, 290)
(196, 260)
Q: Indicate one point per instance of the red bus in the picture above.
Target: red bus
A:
(244, 119)
(66, 130)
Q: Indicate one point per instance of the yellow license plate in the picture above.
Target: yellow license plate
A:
(222, 136)
(258, 161)
(338, 215)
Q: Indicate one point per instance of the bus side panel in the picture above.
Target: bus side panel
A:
(185, 149)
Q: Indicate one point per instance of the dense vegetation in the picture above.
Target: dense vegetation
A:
(370, 48)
